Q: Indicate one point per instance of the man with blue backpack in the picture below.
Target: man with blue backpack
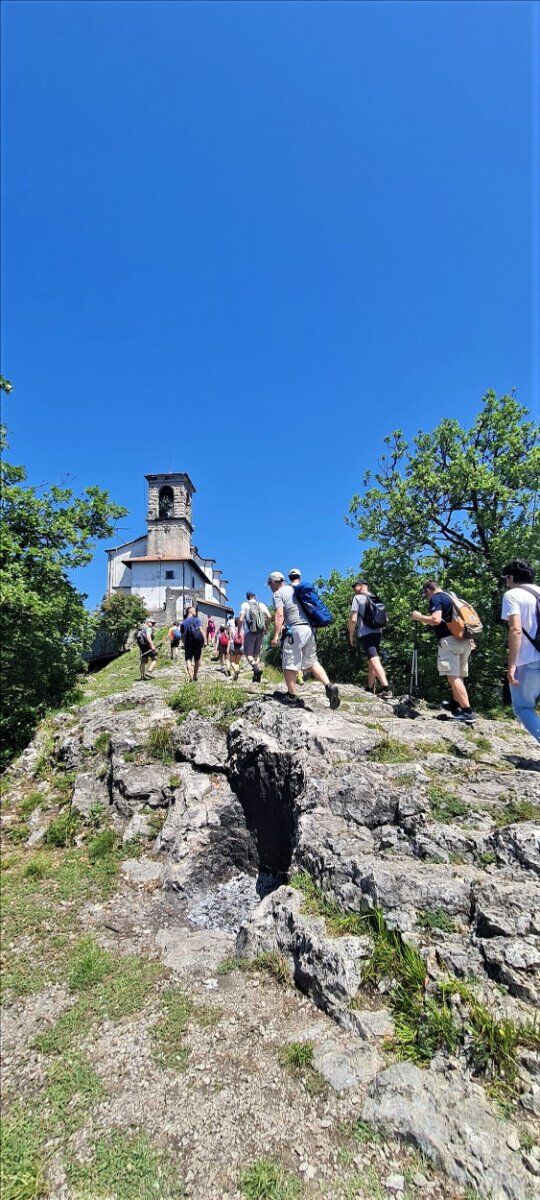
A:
(366, 623)
(299, 611)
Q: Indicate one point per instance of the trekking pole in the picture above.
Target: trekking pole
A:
(413, 682)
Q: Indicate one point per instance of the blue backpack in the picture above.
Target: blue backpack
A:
(313, 607)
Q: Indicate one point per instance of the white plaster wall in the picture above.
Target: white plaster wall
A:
(148, 580)
(118, 574)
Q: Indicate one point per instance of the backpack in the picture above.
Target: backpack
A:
(465, 621)
(223, 640)
(535, 641)
(142, 640)
(193, 630)
(312, 606)
(237, 638)
(176, 637)
(255, 618)
(374, 614)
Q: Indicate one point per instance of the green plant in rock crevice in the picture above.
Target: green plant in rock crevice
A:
(431, 1016)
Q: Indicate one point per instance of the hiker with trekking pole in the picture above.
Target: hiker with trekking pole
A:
(455, 623)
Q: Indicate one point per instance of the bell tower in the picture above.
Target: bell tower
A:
(169, 515)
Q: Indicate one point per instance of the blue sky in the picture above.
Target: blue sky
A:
(247, 240)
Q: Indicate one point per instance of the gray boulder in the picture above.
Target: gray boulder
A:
(451, 1122)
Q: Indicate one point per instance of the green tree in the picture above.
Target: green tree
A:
(453, 505)
(45, 626)
(118, 615)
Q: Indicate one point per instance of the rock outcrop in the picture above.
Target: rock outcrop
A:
(416, 822)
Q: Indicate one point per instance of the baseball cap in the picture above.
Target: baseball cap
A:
(275, 577)
(294, 573)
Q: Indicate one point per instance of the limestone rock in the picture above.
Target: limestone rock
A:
(200, 742)
(520, 843)
(451, 1122)
(89, 792)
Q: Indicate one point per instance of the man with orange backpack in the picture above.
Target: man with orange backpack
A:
(454, 623)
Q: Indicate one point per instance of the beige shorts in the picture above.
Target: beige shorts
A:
(301, 652)
(453, 657)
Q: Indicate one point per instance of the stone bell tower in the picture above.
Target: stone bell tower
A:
(169, 516)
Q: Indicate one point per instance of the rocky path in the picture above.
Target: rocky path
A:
(293, 953)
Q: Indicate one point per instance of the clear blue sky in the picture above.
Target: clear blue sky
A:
(249, 239)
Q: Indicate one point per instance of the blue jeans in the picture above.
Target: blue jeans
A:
(525, 695)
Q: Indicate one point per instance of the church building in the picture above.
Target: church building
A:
(163, 566)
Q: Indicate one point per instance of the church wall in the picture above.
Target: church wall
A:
(119, 576)
(149, 580)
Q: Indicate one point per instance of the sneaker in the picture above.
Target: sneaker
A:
(293, 701)
(466, 718)
(386, 694)
(333, 695)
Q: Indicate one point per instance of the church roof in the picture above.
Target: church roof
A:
(122, 545)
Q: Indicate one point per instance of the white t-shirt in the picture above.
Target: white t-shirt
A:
(244, 612)
(518, 602)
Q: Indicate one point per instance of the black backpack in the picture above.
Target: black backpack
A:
(535, 641)
(142, 640)
(374, 614)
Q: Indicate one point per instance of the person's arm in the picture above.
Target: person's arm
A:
(433, 618)
(279, 614)
(353, 618)
(515, 638)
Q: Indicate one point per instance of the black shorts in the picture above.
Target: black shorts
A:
(370, 643)
(193, 649)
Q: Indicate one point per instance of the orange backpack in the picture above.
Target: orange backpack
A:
(465, 621)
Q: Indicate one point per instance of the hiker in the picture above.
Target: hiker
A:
(366, 623)
(452, 652)
(236, 647)
(223, 649)
(210, 631)
(255, 621)
(175, 639)
(193, 638)
(145, 642)
(295, 578)
(521, 609)
(296, 633)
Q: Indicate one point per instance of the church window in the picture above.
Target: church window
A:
(166, 503)
(193, 581)
(169, 574)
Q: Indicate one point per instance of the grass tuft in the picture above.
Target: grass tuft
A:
(125, 1166)
(435, 918)
(102, 743)
(160, 742)
(514, 811)
(211, 699)
(168, 1034)
(445, 805)
(391, 751)
(63, 831)
(269, 961)
(268, 1180)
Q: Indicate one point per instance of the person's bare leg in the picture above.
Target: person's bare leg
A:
(319, 673)
(188, 668)
(151, 666)
(370, 675)
(378, 670)
(459, 691)
(290, 680)
(196, 665)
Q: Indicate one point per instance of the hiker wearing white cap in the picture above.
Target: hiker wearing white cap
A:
(299, 648)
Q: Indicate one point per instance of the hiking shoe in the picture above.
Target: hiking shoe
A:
(466, 718)
(386, 694)
(257, 675)
(333, 695)
(293, 701)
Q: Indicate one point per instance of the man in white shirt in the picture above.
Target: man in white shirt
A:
(256, 618)
(521, 608)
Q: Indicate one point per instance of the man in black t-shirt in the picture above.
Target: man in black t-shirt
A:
(452, 652)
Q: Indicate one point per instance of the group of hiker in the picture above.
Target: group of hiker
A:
(298, 611)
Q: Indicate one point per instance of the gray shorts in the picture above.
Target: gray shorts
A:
(253, 643)
(300, 650)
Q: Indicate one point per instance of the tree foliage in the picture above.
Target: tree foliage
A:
(119, 614)
(45, 626)
(453, 506)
